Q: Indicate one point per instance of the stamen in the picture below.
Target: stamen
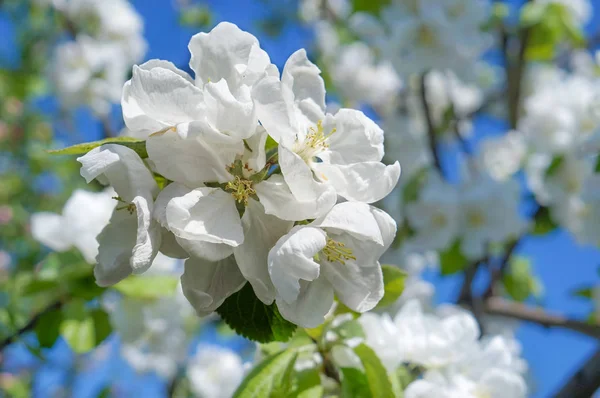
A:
(241, 190)
(337, 252)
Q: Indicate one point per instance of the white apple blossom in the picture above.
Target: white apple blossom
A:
(154, 333)
(214, 372)
(446, 344)
(338, 253)
(501, 157)
(489, 212)
(132, 239)
(360, 78)
(312, 10)
(89, 72)
(114, 21)
(320, 155)
(60, 232)
(560, 113)
(426, 34)
(435, 215)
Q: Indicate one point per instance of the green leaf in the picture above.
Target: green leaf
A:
(543, 222)
(393, 284)
(307, 384)
(354, 383)
(370, 6)
(379, 382)
(47, 328)
(253, 319)
(139, 146)
(586, 292)
(532, 13)
(85, 330)
(519, 281)
(413, 187)
(147, 286)
(271, 377)
(196, 16)
(452, 260)
(270, 144)
(555, 165)
(79, 334)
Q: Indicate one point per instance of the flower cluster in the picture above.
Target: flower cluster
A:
(108, 40)
(263, 186)
(424, 34)
(447, 348)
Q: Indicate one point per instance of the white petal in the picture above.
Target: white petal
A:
(122, 168)
(170, 247)
(359, 288)
(261, 233)
(228, 114)
(304, 80)
(207, 284)
(291, 259)
(128, 241)
(159, 98)
(187, 154)
(362, 182)
(159, 63)
(205, 250)
(351, 217)
(278, 200)
(256, 157)
(356, 139)
(229, 53)
(205, 221)
(312, 304)
(299, 177)
(49, 229)
(274, 109)
(148, 236)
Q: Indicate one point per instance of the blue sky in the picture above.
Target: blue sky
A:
(563, 265)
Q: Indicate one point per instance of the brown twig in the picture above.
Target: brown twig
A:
(431, 131)
(584, 381)
(29, 326)
(511, 309)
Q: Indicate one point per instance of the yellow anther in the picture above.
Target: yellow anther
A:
(241, 190)
(426, 36)
(316, 137)
(337, 252)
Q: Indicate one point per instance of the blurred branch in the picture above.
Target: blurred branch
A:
(502, 307)
(496, 274)
(585, 381)
(431, 132)
(30, 325)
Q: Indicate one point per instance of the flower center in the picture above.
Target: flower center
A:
(475, 219)
(426, 36)
(241, 190)
(336, 252)
(439, 219)
(130, 207)
(314, 143)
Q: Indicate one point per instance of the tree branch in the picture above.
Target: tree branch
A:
(585, 381)
(502, 307)
(29, 325)
(431, 133)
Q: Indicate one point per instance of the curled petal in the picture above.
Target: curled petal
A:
(261, 233)
(312, 304)
(360, 288)
(292, 260)
(228, 114)
(362, 182)
(278, 200)
(356, 139)
(159, 96)
(120, 167)
(186, 154)
(207, 284)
